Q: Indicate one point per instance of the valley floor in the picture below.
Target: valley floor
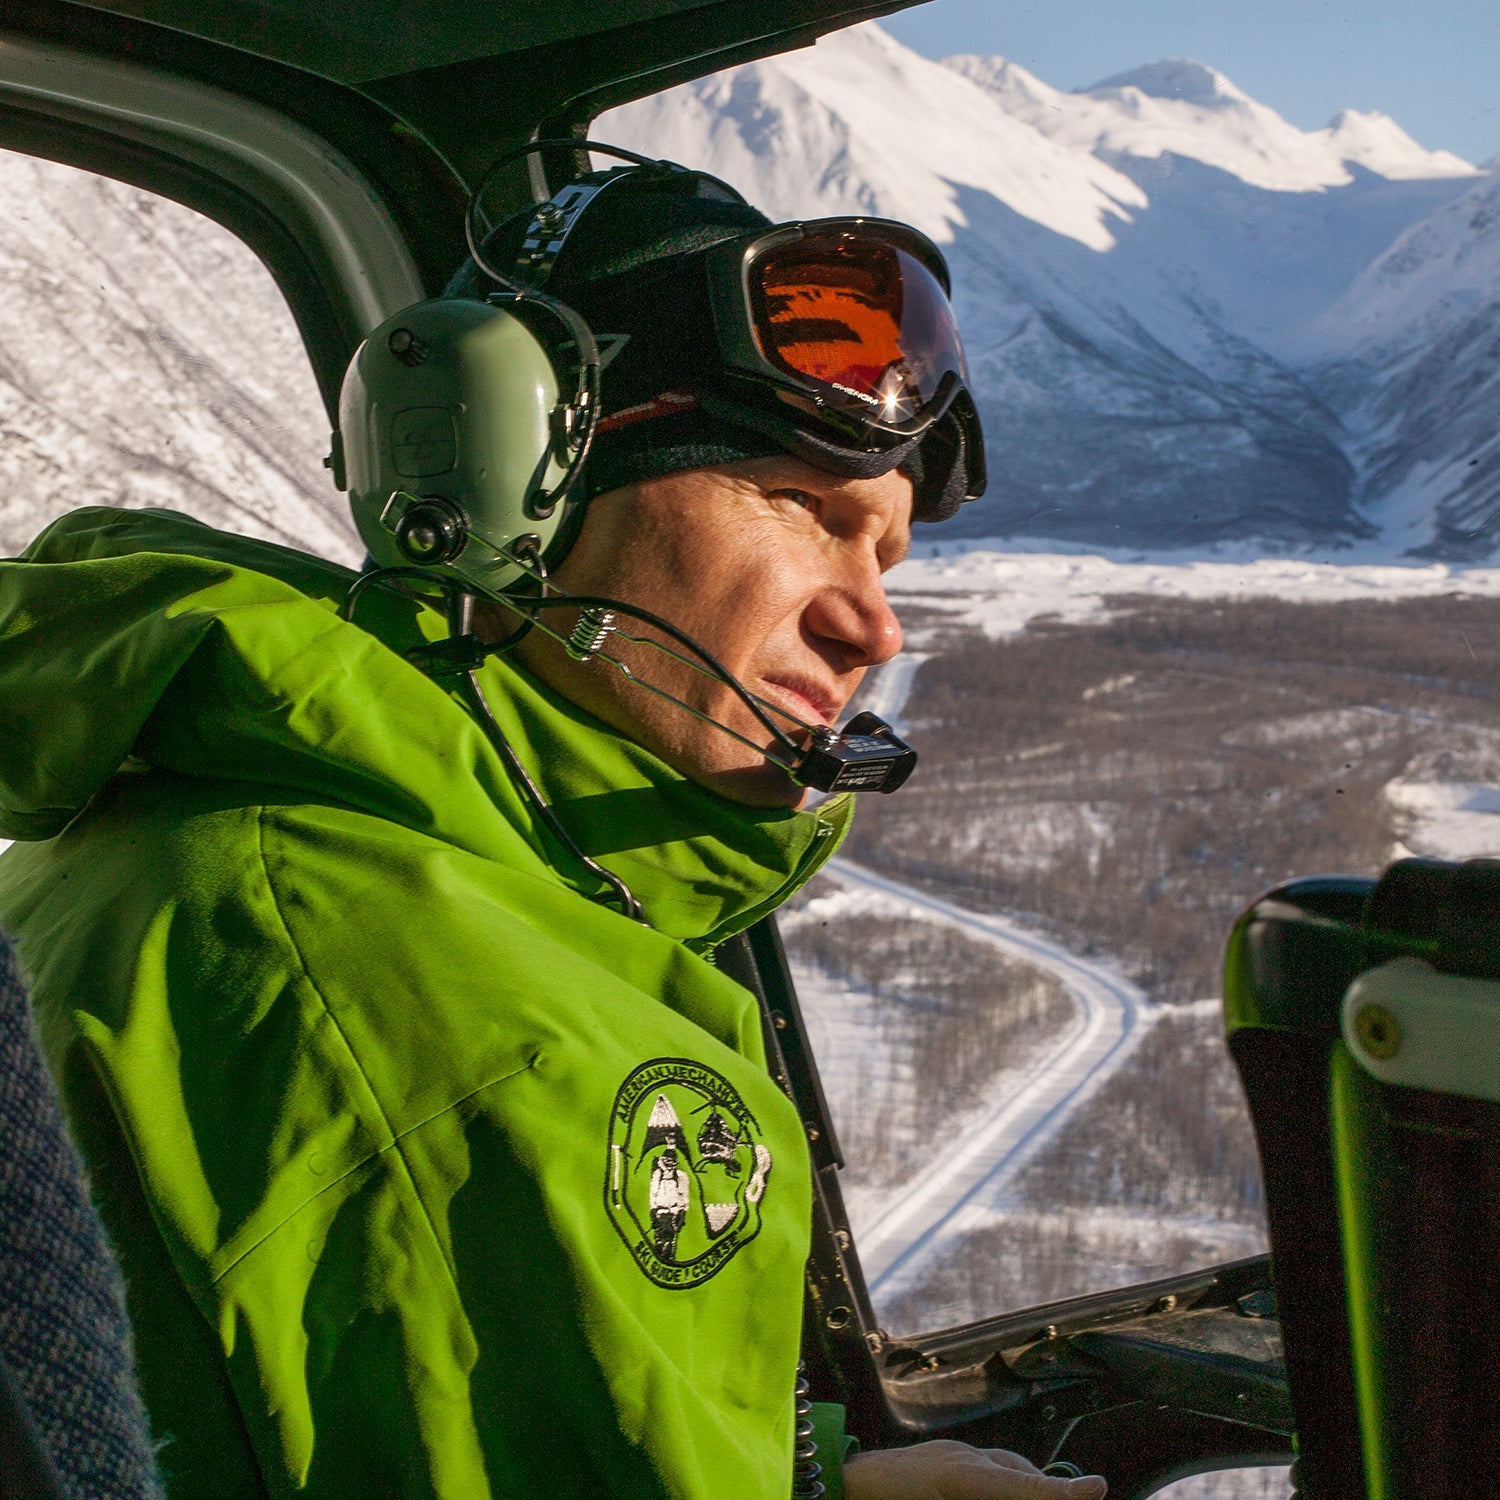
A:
(1120, 788)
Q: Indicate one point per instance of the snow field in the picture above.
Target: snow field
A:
(1448, 820)
(1001, 587)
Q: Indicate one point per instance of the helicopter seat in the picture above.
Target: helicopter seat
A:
(71, 1419)
(1364, 1018)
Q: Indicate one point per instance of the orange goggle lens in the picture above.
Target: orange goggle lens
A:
(865, 324)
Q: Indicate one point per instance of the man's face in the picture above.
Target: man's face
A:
(774, 567)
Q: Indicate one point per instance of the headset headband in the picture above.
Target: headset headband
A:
(555, 220)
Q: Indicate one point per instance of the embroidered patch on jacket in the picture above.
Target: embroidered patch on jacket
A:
(686, 1173)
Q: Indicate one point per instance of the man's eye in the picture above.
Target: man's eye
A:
(799, 497)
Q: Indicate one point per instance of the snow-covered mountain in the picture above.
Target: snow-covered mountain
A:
(1190, 110)
(1188, 319)
(1417, 376)
(146, 358)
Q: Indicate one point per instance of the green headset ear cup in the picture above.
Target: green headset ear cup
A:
(453, 401)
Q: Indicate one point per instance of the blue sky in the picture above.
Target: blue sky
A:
(1435, 68)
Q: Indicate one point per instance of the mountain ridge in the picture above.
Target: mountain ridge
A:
(1146, 283)
(1190, 322)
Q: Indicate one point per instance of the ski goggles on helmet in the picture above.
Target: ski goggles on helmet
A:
(846, 323)
(832, 339)
(850, 315)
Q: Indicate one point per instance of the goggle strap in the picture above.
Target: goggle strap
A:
(847, 463)
(553, 222)
(941, 489)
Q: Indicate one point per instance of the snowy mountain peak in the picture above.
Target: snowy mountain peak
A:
(1174, 78)
(1004, 79)
(1180, 108)
(860, 124)
(1377, 142)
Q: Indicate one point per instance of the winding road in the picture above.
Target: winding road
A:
(972, 1171)
(887, 691)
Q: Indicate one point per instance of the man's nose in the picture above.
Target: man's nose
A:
(856, 617)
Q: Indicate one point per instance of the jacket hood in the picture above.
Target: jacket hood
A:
(144, 639)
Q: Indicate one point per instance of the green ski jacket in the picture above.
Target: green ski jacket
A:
(430, 1174)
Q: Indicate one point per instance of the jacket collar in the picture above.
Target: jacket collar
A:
(703, 867)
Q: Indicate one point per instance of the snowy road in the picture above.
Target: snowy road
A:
(890, 687)
(972, 1171)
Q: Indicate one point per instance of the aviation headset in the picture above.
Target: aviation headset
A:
(464, 425)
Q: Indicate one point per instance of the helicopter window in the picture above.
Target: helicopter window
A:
(1224, 618)
(171, 373)
(1133, 713)
(1013, 977)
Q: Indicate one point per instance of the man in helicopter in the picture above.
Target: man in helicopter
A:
(371, 921)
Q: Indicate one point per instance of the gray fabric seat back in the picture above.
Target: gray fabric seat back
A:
(71, 1419)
